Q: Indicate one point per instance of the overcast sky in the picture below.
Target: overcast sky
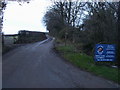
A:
(25, 17)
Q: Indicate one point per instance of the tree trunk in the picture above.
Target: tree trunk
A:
(118, 49)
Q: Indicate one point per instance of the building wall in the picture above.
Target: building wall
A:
(30, 36)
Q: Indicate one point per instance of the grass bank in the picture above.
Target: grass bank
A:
(86, 62)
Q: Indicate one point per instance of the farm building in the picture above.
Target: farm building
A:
(23, 36)
(30, 36)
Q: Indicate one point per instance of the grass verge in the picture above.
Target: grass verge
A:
(86, 62)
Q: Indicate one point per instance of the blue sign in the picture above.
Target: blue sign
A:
(105, 52)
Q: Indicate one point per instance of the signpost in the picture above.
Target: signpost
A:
(105, 52)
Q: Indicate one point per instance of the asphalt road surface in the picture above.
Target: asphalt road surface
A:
(36, 65)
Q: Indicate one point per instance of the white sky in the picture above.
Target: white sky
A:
(25, 17)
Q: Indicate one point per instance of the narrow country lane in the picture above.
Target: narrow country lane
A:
(38, 66)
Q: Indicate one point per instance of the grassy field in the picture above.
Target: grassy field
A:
(87, 63)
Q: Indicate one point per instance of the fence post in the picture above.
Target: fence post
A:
(2, 39)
